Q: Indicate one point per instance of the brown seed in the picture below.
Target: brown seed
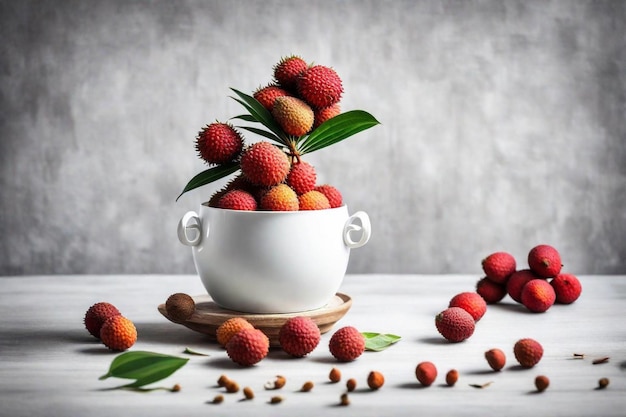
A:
(375, 380)
(276, 399)
(344, 400)
(603, 383)
(176, 388)
(351, 384)
(248, 393)
(277, 383)
(221, 381)
(495, 358)
(542, 382)
(600, 360)
(218, 399)
(307, 386)
(231, 386)
(335, 375)
(451, 377)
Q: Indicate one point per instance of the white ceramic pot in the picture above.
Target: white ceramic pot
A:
(272, 262)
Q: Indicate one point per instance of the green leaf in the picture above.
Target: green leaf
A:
(246, 117)
(210, 175)
(144, 367)
(264, 133)
(190, 351)
(379, 341)
(260, 114)
(337, 129)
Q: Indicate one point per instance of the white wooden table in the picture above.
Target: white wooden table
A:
(49, 364)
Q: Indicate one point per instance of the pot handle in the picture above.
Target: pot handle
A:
(365, 228)
(184, 226)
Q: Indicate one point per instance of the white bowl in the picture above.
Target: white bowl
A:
(272, 262)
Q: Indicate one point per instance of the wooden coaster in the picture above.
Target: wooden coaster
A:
(209, 316)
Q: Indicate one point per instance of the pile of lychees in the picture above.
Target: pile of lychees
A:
(274, 176)
(105, 322)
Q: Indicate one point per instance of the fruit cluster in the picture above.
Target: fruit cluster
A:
(274, 176)
(105, 322)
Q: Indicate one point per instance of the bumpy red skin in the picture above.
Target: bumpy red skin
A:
(248, 347)
(455, 324)
(495, 358)
(287, 71)
(471, 302)
(118, 333)
(325, 114)
(219, 143)
(313, 200)
(299, 336)
(490, 291)
(499, 266)
(528, 352)
(302, 177)
(426, 373)
(237, 200)
(347, 344)
(264, 164)
(320, 86)
(332, 194)
(567, 288)
(545, 261)
(538, 296)
(516, 283)
(267, 95)
(97, 314)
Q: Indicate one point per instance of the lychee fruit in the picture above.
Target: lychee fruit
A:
(264, 164)
(426, 373)
(347, 344)
(538, 295)
(528, 352)
(471, 302)
(97, 314)
(268, 94)
(180, 307)
(516, 283)
(567, 288)
(541, 383)
(301, 177)
(499, 266)
(118, 333)
(299, 336)
(320, 86)
(495, 358)
(288, 70)
(375, 380)
(545, 261)
(280, 198)
(332, 194)
(325, 114)
(237, 200)
(313, 200)
(452, 377)
(455, 324)
(490, 291)
(293, 115)
(219, 143)
(231, 327)
(248, 347)
(214, 200)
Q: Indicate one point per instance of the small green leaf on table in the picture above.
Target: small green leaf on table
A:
(378, 341)
(144, 367)
(194, 352)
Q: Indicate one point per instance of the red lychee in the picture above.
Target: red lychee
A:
(280, 198)
(545, 261)
(301, 177)
(495, 358)
(538, 295)
(299, 336)
(347, 344)
(231, 327)
(325, 114)
(248, 347)
(219, 143)
(499, 266)
(287, 71)
(490, 291)
(264, 164)
(426, 373)
(97, 314)
(567, 288)
(332, 194)
(528, 352)
(320, 86)
(237, 200)
(471, 302)
(267, 95)
(455, 324)
(313, 200)
(118, 333)
(517, 281)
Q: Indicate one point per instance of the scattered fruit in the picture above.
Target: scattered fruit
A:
(375, 380)
(426, 373)
(231, 327)
(118, 333)
(351, 384)
(471, 302)
(455, 324)
(517, 281)
(545, 261)
(495, 358)
(528, 352)
(222, 380)
(542, 382)
(97, 314)
(347, 344)
(299, 336)
(307, 386)
(265, 164)
(567, 288)
(276, 383)
(538, 295)
(180, 307)
(219, 143)
(452, 377)
(499, 266)
(276, 399)
(490, 291)
(218, 399)
(344, 400)
(603, 383)
(231, 386)
(335, 375)
(248, 347)
(248, 393)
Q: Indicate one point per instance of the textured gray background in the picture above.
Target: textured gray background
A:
(502, 126)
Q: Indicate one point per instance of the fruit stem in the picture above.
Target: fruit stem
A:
(293, 151)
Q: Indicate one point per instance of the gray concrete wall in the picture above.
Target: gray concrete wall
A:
(502, 126)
